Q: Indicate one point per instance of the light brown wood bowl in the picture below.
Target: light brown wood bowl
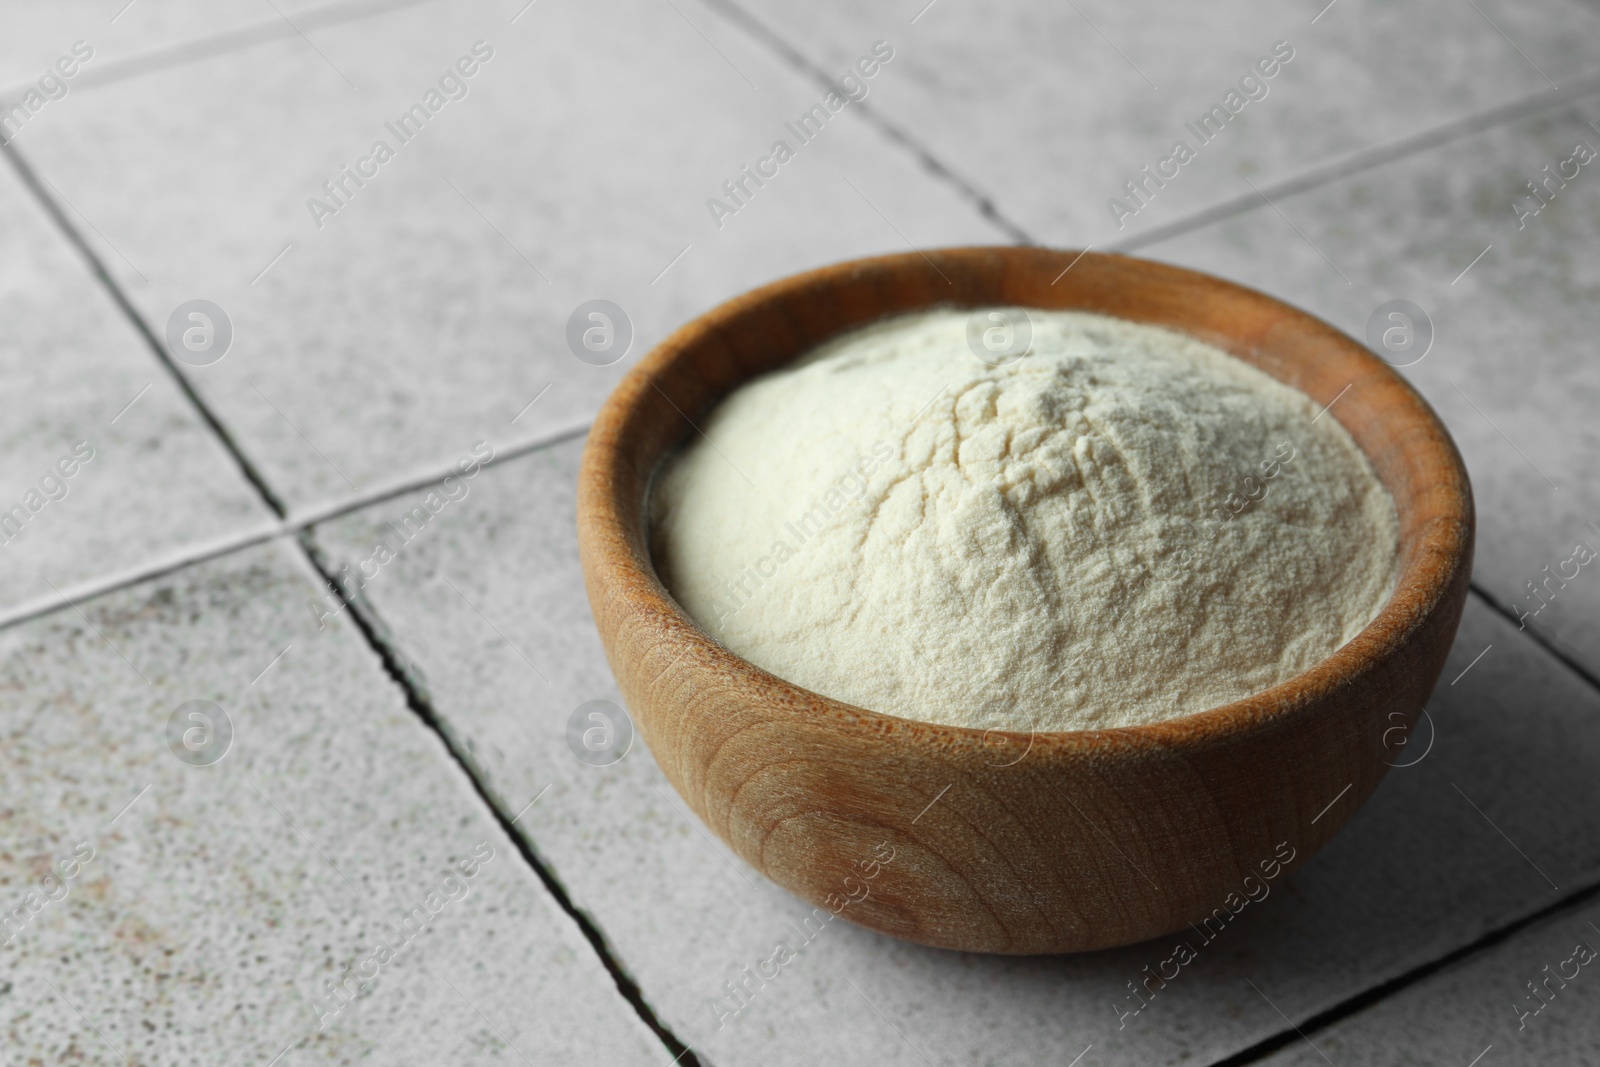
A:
(1054, 842)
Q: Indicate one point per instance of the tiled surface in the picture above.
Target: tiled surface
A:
(156, 484)
(429, 314)
(495, 578)
(1050, 108)
(431, 310)
(115, 33)
(1483, 1007)
(212, 909)
(1513, 367)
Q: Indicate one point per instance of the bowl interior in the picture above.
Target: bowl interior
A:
(666, 396)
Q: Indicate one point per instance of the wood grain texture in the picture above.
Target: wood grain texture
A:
(1052, 842)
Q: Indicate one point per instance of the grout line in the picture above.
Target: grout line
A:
(1368, 159)
(1333, 170)
(224, 41)
(93, 590)
(1538, 637)
(1286, 1019)
(237, 542)
(357, 501)
(97, 268)
(1355, 163)
(1354, 1005)
(768, 37)
(1367, 998)
(370, 627)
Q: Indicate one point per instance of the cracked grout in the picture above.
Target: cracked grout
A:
(302, 526)
(395, 664)
(272, 531)
(97, 268)
(1354, 1005)
(389, 657)
(1324, 1020)
(412, 690)
(1366, 159)
(800, 62)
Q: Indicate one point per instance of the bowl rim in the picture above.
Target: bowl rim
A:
(1431, 564)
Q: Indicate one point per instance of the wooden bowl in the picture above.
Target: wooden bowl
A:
(1011, 842)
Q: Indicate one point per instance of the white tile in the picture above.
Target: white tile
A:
(432, 308)
(1480, 1010)
(1050, 108)
(486, 604)
(220, 897)
(1512, 369)
(78, 382)
(119, 34)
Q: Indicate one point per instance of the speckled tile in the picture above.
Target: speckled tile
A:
(1512, 368)
(1050, 109)
(104, 466)
(158, 909)
(432, 309)
(1481, 1010)
(485, 604)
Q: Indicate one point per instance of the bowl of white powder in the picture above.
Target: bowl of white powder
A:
(1007, 609)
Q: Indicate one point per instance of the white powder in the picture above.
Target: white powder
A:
(1122, 526)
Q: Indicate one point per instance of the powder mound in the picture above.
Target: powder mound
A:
(1121, 526)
